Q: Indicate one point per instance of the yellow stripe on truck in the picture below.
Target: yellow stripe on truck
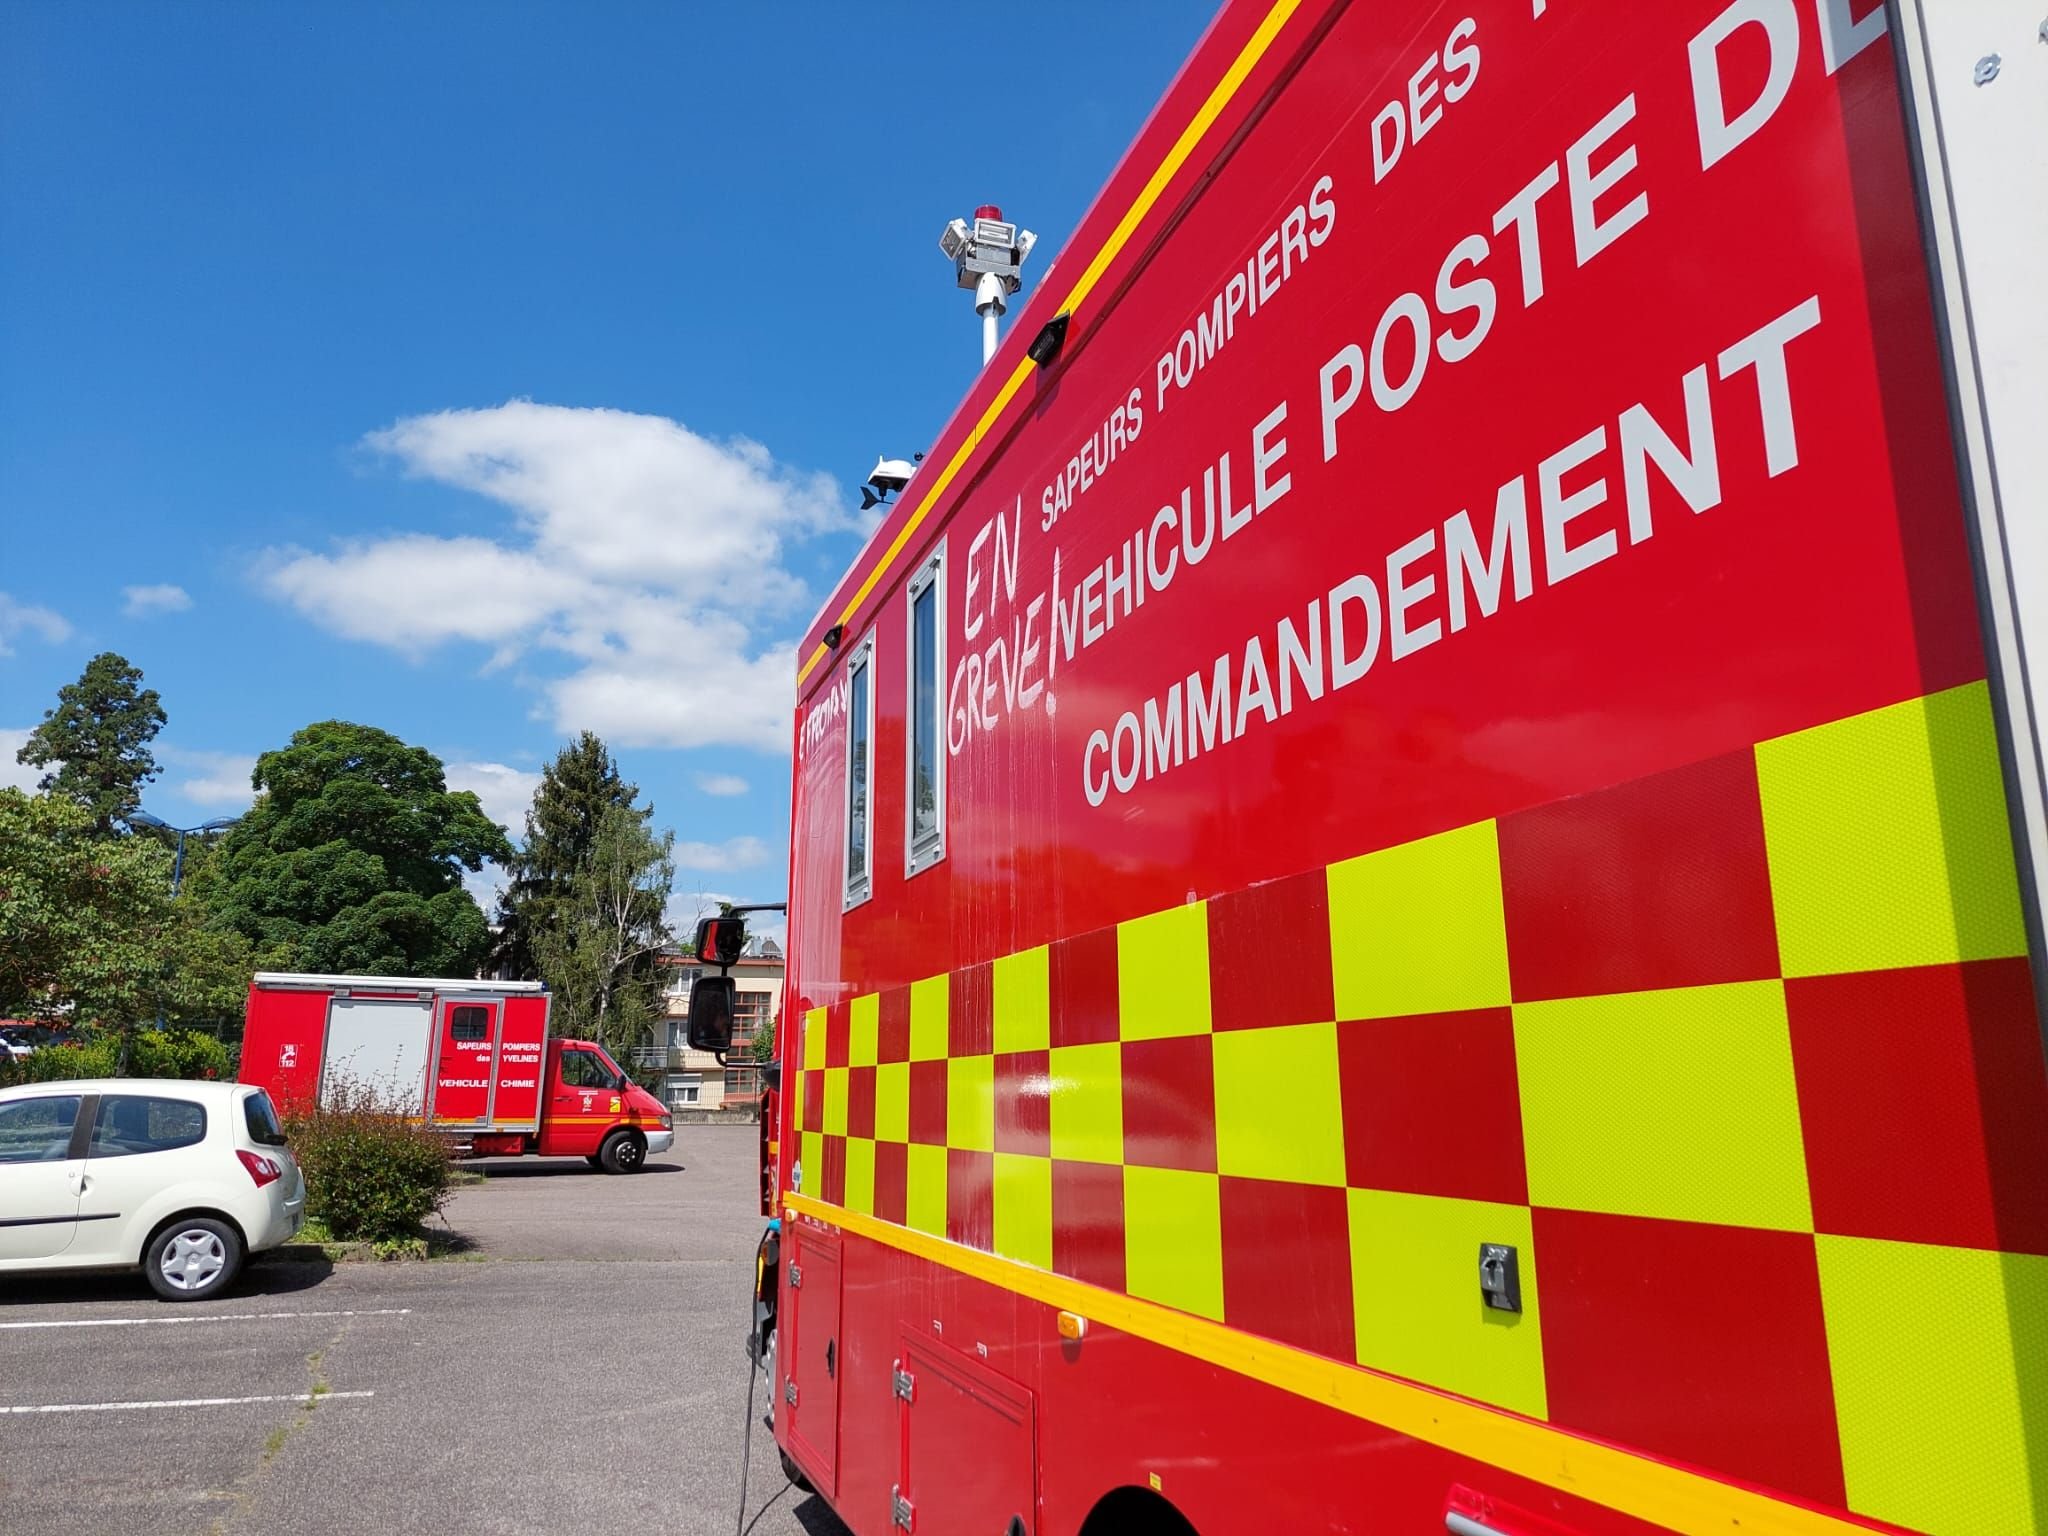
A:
(1649, 1490)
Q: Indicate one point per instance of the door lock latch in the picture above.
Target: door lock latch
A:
(1500, 1277)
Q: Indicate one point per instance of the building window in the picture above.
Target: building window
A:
(683, 1091)
(925, 761)
(742, 1085)
(750, 1015)
(860, 773)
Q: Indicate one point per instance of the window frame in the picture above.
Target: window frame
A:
(107, 1101)
(84, 1111)
(860, 660)
(931, 576)
(588, 1053)
(459, 1019)
(270, 1132)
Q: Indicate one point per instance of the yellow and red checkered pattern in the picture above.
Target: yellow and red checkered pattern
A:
(1742, 1058)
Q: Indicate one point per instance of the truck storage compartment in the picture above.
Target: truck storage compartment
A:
(969, 1444)
(810, 1392)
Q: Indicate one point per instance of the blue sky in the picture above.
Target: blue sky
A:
(486, 372)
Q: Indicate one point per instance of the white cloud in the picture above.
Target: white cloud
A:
(505, 791)
(685, 907)
(215, 778)
(486, 885)
(15, 775)
(745, 852)
(147, 602)
(413, 591)
(721, 784)
(18, 618)
(643, 554)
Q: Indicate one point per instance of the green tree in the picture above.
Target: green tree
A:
(576, 789)
(89, 933)
(599, 954)
(762, 1047)
(351, 860)
(98, 737)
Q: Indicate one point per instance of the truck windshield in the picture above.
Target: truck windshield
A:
(588, 1067)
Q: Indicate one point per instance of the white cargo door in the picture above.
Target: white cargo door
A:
(381, 1043)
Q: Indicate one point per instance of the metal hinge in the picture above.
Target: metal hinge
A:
(796, 1276)
(904, 1384)
(789, 1392)
(900, 1512)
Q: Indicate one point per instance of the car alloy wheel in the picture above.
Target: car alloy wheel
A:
(193, 1259)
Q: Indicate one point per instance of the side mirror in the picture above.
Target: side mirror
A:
(711, 1010)
(619, 1081)
(721, 940)
(771, 1076)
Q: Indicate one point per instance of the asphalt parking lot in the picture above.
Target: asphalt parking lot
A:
(577, 1368)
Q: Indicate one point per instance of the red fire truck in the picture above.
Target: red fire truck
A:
(1416, 846)
(471, 1058)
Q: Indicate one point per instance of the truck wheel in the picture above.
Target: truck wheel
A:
(795, 1474)
(192, 1258)
(623, 1152)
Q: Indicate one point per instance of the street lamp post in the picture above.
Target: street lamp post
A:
(142, 818)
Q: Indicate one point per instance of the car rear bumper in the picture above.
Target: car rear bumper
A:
(286, 1218)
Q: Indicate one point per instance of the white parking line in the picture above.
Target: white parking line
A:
(210, 1317)
(184, 1402)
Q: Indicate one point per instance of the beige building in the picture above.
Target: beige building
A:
(694, 1079)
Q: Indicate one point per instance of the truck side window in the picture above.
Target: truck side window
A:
(924, 796)
(582, 1069)
(860, 772)
(469, 1021)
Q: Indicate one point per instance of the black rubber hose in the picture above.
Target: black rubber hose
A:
(753, 1371)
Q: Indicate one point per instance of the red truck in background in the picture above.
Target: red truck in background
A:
(470, 1058)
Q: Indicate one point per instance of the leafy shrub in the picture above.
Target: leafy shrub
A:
(179, 1053)
(151, 1053)
(371, 1174)
(94, 1056)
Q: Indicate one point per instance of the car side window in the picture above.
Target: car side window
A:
(38, 1130)
(132, 1124)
